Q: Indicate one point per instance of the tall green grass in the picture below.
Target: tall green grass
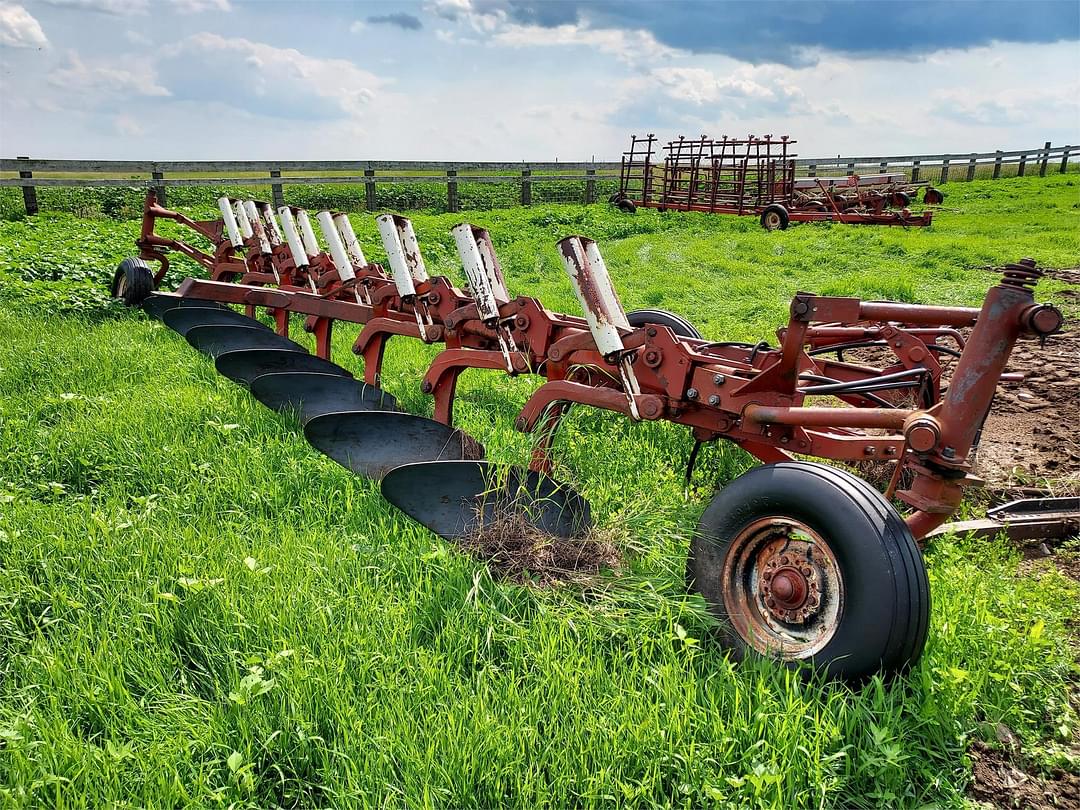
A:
(198, 609)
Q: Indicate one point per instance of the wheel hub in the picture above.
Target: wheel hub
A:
(783, 588)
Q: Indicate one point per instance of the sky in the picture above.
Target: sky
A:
(512, 80)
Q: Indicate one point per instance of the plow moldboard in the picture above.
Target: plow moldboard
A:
(456, 499)
(245, 365)
(182, 319)
(312, 394)
(371, 443)
(159, 303)
(215, 340)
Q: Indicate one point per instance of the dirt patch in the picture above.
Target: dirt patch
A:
(1031, 432)
(998, 782)
(517, 550)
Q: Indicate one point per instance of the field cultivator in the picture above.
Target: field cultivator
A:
(756, 177)
(800, 560)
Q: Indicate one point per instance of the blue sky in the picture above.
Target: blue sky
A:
(517, 80)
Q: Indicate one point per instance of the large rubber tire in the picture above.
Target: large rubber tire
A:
(626, 206)
(775, 218)
(661, 317)
(884, 595)
(133, 281)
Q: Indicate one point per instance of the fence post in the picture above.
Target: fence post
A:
(1045, 160)
(883, 167)
(971, 169)
(944, 171)
(590, 186)
(850, 169)
(277, 191)
(1065, 160)
(29, 193)
(997, 165)
(369, 190)
(811, 170)
(526, 187)
(159, 187)
(452, 202)
(1022, 167)
(915, 164)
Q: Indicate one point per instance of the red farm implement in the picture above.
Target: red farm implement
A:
(756, 177)
(801, 561)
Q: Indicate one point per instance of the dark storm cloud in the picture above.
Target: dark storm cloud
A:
(783, 31)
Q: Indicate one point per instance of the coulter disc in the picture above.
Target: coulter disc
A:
(371, 443)
(243, 366)
(215, 340)
(456, 499)
(181, 319)
(312, 394)
(158, 304)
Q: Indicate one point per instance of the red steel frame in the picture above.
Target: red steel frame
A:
(754, 396)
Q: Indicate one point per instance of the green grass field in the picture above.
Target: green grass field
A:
(198, 609)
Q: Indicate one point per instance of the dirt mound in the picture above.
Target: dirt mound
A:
(517, 550)
(998, 782)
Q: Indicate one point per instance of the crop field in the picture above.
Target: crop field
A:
(199, 610)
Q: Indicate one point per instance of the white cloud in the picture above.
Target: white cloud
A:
(627, 45)
(357, 26)
(128, 126)
(104, 81)
(270, 81)
(19, 29)
(137, 38)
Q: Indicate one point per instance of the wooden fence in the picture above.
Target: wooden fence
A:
(585, 176)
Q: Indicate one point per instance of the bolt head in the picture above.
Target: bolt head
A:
(714, 400)
(692, 393)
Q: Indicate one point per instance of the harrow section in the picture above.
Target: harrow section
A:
(755, 176)
(801, 561)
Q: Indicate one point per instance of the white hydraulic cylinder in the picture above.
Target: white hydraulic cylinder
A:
(224, 205)
(482, 270)
(270, 225)
(242, 219)
(296, 245)
(348, 236)
(337, 248)
(311, 244)
(256, 225)
(592, 285)
(403, 253)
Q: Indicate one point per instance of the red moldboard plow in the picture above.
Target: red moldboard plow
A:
(755, 176)
(801, 561)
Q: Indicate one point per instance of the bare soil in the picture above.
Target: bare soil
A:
(998, 782)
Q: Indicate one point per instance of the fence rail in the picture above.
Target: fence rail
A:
(942, 168)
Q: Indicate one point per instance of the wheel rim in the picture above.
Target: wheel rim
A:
(783, 590)
(772, 220)
(122, 286)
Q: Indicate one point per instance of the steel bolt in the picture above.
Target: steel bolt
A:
(425, 386)
(719, 379)
(692, 393)
(948, 452)
(714, 400)
(651, 332)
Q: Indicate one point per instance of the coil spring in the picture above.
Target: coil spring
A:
(1023, 275)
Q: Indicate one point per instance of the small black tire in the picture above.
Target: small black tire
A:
(900, 199)
(133, 281)
(661, 317)
(933, 196)
(775, 218)
(626, 206)
(866, 579)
